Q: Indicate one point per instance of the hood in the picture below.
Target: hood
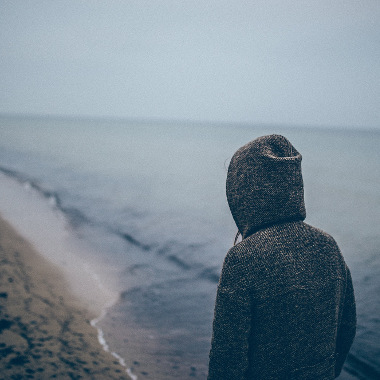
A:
(264, 184)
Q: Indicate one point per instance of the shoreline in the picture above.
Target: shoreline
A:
(34, 218)
(45, 331)
(37, 219)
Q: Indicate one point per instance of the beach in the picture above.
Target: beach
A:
(44, 331)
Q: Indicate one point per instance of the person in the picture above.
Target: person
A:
(285, 306)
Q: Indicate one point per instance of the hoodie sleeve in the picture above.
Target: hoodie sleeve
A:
(231, 327)
(347, 328)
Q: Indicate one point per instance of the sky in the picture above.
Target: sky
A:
(285, 62)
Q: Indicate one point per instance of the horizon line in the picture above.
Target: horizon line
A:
(158, 120)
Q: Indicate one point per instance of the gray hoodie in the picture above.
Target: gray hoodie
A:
(285, 306)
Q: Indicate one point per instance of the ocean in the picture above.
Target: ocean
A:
(146, 201)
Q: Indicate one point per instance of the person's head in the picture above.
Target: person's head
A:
(264, 184)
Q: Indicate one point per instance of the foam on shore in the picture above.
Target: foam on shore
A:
(40, 223)
(38, 220)
(44, 332)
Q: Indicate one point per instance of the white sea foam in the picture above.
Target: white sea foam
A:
(36, 218)
(94, 323)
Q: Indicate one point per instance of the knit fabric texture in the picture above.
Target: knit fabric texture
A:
(285, 306)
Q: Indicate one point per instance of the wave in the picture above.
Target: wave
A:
(172, 251)
(132, 240)
(356, 366)
(52, 196)
(73, 215)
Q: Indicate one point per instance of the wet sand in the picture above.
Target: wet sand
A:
(44, 331)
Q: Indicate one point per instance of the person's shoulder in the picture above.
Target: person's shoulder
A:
(320, 235)
(241, 259)
(238, 267)
(235, 255)
(324, 247)
(242, 251)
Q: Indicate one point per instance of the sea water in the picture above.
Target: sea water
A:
(147, 200)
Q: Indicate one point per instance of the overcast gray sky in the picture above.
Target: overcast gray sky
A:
(312, 62)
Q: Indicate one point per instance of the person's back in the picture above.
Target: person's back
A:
(285, 307)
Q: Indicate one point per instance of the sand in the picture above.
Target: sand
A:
(44, 330)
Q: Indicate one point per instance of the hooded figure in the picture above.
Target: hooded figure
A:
(285, 306)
